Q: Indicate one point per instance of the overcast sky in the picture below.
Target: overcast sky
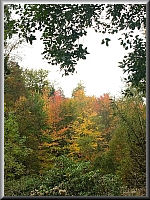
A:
(99, 72)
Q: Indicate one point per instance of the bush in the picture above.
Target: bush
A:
(22, 186)
(70, 178)
(67, 178)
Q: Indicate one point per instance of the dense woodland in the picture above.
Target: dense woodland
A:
(83, 145)
(78, 146)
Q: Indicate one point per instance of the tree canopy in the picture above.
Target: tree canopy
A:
(62, 25)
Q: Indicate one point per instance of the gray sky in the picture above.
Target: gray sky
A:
(99, 72)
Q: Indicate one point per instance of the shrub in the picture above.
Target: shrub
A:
(22, 186)
(67, 178)
(70, 178)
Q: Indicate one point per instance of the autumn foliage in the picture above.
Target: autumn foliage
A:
(43, 126)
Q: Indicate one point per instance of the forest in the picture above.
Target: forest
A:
(82, 145)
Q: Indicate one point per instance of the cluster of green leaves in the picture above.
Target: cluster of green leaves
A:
(135, 66)
(9, 23)
(35, 80)
(15, 149)
(68, 24)
(32, 121)
(130, 138)
(62, 25)
(21, 186)
(67, 178)
(79, 179)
